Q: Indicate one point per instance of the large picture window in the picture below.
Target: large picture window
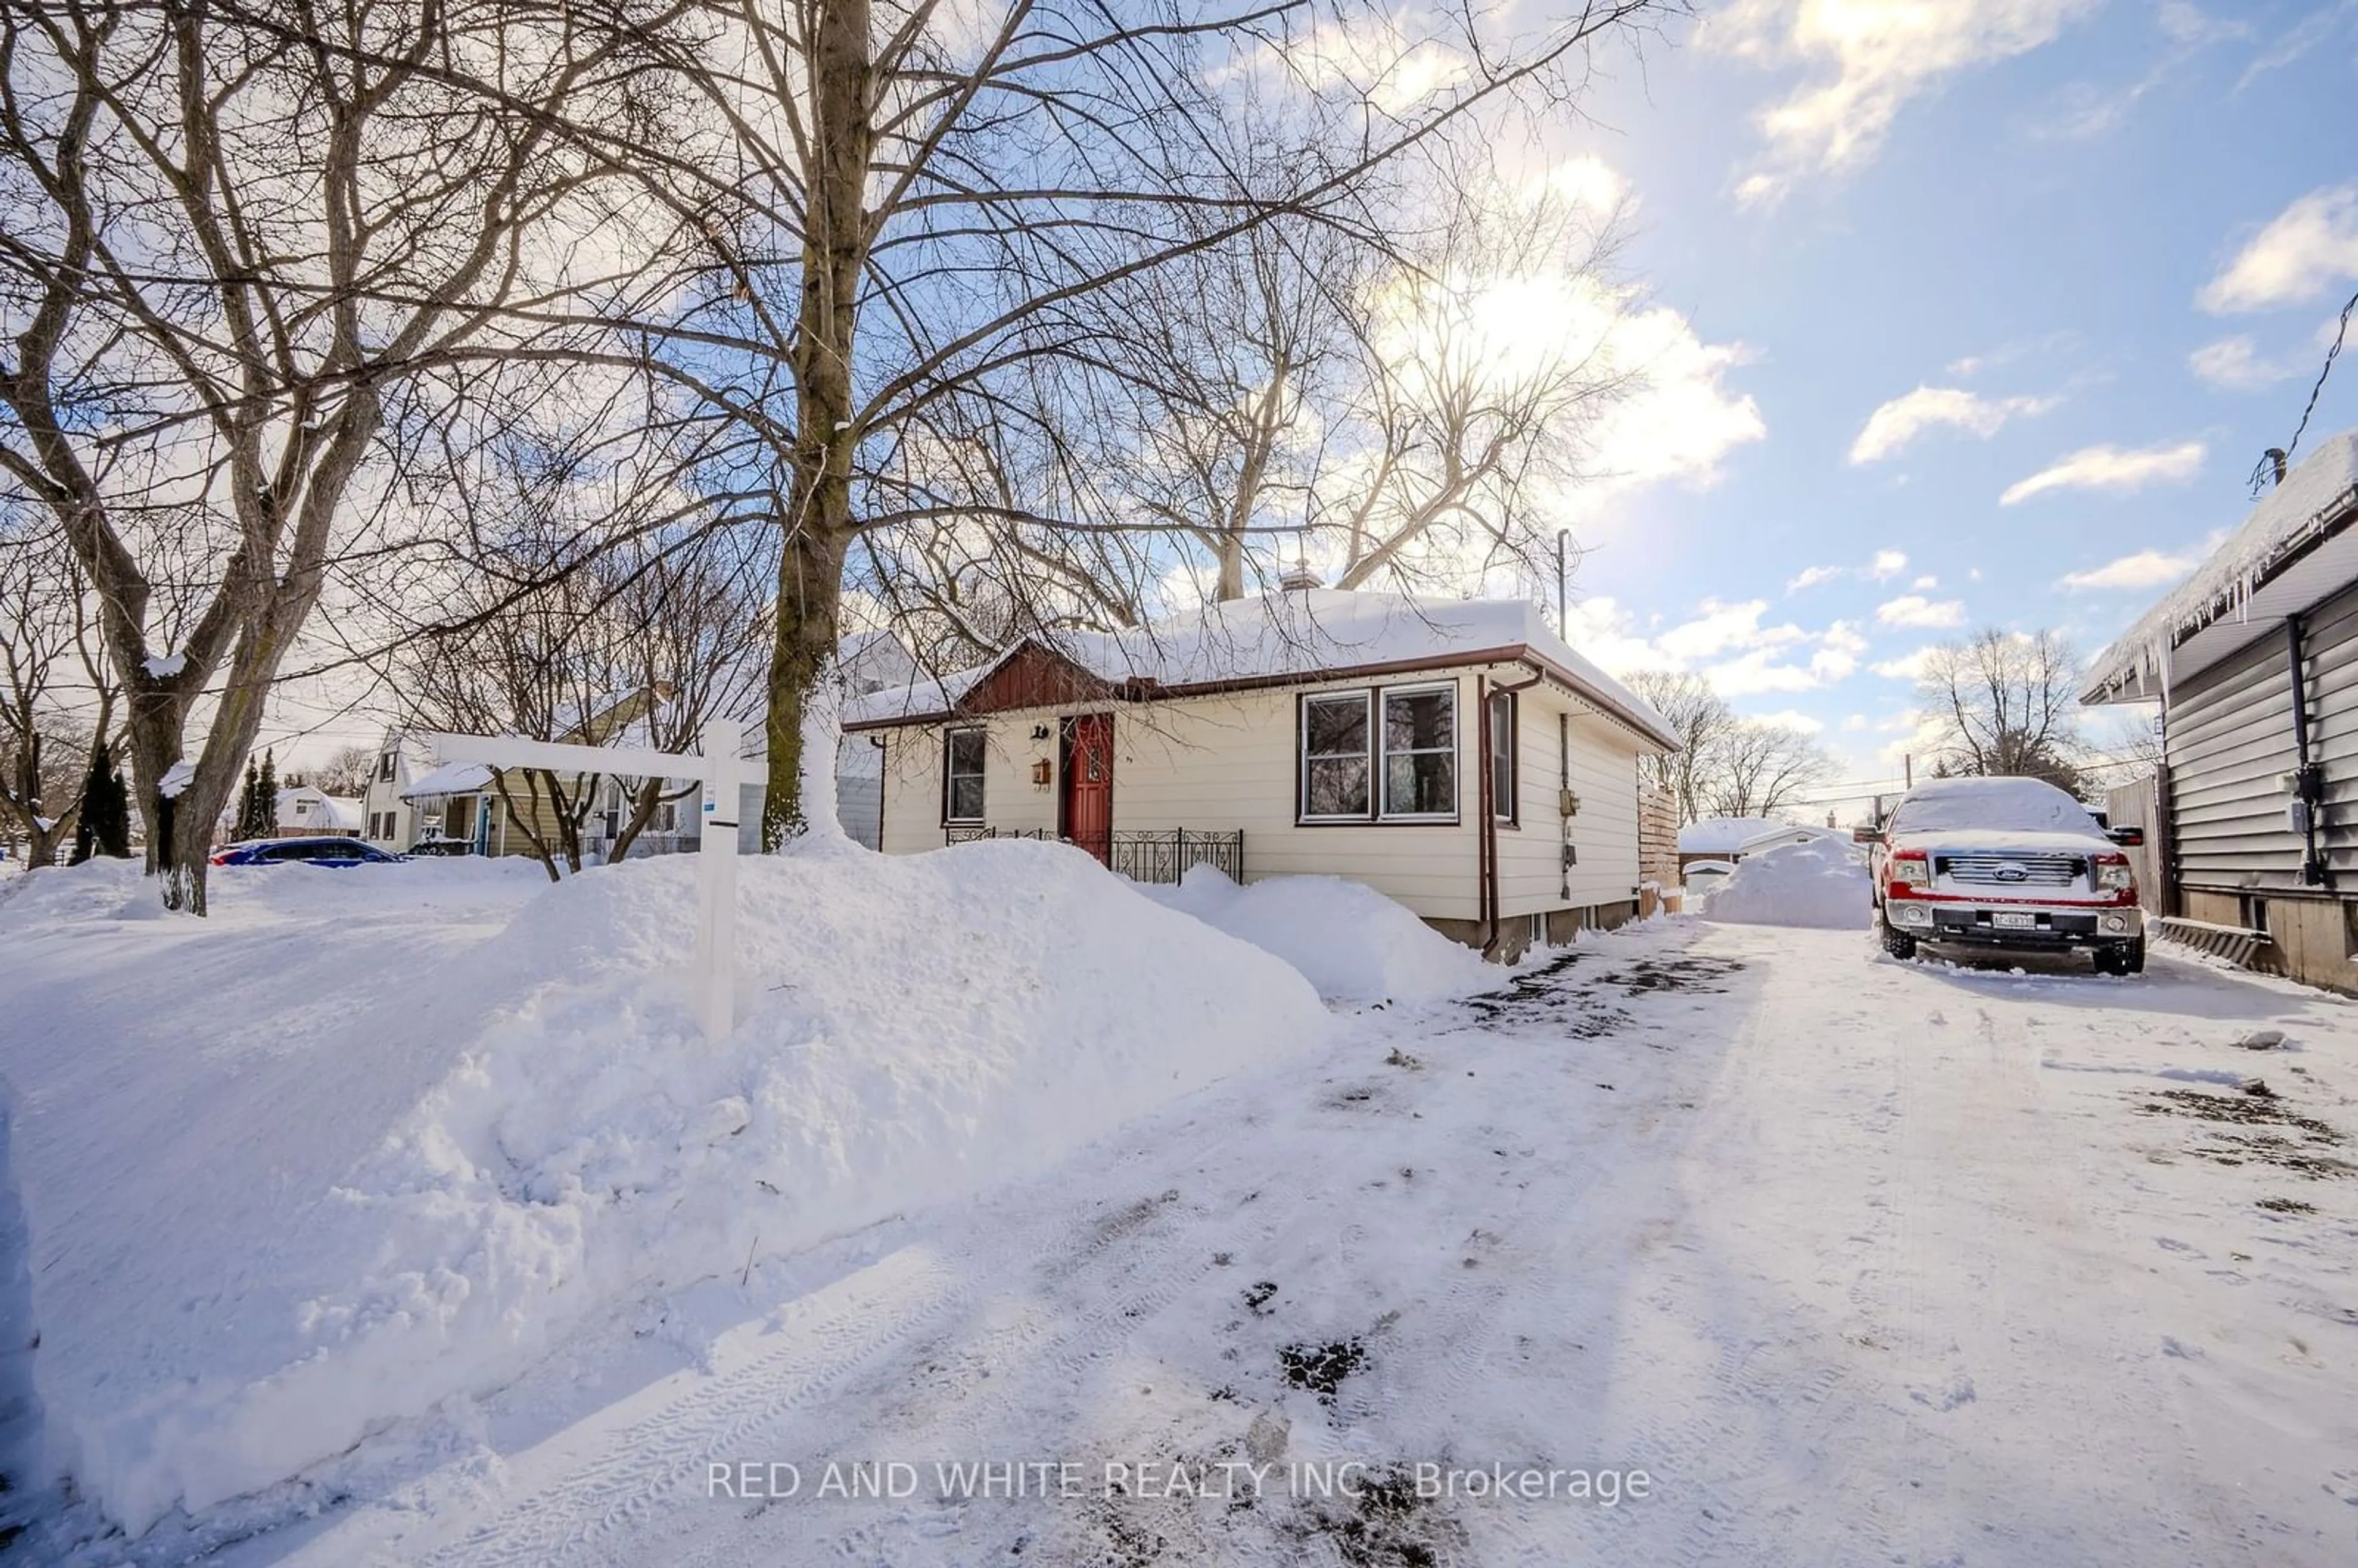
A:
(1389, 755)
(1420, 751)
(1335, 756)
(1502, 756)
(962, 754)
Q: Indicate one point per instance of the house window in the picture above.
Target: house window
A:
(1420, 745)
(962, 752)
(1335, 756)
(1502, 756)
(385, 767)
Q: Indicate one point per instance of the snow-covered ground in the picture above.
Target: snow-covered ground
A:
(1857, 1261)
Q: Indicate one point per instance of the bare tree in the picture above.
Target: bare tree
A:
(905, 206)
(346, 772)
(1758, 769)
(1704, 722)
(56, 693)
(235, 234)
(2005, 702)
(564, 635)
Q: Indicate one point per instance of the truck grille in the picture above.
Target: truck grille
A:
(2012, 870)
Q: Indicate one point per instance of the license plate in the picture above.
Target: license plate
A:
(2014, 920)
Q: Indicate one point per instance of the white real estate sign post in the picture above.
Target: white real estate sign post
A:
(721, 770)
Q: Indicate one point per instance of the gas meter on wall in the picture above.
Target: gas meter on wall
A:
(1568, 803)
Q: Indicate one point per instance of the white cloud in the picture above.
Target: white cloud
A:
(1586, 181)
(1908, 668)
(1810, 577)
(1915, 610)
(1792, 718)
(2297, 40)
(1855, 722)
(1881, 53)
(1681, 420)
(2237, 365)
(1887, 564)
(2305, 250)
(1901, 420)
(2112, 467)
(1719, 628)
(1925, 584)
(1725, 643)
(2147, 568)
(2144, 569)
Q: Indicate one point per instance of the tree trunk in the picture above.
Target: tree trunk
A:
(819, 523)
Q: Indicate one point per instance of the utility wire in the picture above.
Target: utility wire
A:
(2274, 463)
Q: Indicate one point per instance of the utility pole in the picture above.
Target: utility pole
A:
(1908, 770)
(1563, 622)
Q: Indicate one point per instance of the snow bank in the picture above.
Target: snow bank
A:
(1816, 883)
(434, 1167)
(1350, 941)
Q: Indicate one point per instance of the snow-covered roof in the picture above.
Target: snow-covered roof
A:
(1735, 835)
(2225, 604)
(1296, 634)
(451, 778)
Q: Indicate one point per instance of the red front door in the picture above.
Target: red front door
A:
(1088, 782)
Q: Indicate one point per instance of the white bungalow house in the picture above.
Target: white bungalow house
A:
(304, 812)
(1457, 756)
(1727, 839)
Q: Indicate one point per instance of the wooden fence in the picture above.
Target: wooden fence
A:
(2142, 802)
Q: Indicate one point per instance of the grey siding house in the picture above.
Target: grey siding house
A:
(2253, 661)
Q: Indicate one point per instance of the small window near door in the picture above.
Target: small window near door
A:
(1502, 756)
(962, 758)
(1420, 740)
(1335, 756)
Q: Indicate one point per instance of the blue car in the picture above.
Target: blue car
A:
(334, 852)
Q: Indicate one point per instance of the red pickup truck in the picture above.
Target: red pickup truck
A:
(2005, 864)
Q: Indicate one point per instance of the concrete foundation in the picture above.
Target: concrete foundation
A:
(1559, 926)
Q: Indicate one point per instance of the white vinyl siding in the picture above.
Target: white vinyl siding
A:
(1220, 764)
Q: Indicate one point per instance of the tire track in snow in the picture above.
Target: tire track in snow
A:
(586, 1486)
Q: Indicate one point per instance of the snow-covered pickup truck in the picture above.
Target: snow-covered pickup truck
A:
(2007, 864)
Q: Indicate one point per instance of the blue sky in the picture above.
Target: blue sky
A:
(2100, 236)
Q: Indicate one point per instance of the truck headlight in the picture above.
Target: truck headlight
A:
(2115, 876)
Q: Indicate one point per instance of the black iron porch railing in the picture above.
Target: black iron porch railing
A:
(1166, 856)
(1161, 855)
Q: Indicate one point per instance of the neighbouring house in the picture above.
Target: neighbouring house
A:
(867, 662)
(2251, 817)
(1457, 756)
(387, 818)
(304, 812)
(1730, 839)
(465, 803)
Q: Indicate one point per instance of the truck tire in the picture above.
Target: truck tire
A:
(1898, 942)
(2127, 958)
